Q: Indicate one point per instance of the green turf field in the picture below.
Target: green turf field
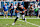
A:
(20, 23)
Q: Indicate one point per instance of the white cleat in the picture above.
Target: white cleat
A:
(13, 23)
(4, 17)
(25, 19)
(37, 17)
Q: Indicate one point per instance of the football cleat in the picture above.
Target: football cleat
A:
(13, 23)
(25, 19)
(4, 17)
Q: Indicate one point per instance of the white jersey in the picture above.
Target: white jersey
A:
(15, 6)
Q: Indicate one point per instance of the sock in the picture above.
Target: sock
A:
(23, 17)
(15, 19)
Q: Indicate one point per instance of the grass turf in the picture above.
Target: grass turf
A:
(8, 22)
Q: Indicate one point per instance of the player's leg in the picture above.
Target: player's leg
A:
(23, 17)
(18, 15)
(11, 12)
(6, 14)
(15, 21)
(38, 14)
(16, 18)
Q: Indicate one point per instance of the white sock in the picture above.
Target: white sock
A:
(23, 16)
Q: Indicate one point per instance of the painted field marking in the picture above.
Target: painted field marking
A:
(23, 21)
(30, 23)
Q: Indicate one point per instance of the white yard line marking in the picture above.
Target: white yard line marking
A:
(7, 18)
(19, 18)
(23, 21)
(32, 18)
(30, 23)
(33, 24)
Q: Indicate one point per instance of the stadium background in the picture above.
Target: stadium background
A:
(8, 3)
(7, 22)
(2, 2)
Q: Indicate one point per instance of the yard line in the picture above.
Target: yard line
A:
(23, 21)
(33, 24)
(7, 18)
(30, 23)
(32, 18)
(19, 18)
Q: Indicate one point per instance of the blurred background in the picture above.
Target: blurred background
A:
(26, 3)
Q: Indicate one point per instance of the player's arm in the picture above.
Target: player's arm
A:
(25, 9)
(16, 11)
(10, 8)
(22, 11)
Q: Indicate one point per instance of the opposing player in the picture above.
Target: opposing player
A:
(19, 8)
(5, 10)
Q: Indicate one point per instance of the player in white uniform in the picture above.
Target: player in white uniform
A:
(20, 8)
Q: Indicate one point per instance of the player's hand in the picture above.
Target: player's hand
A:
(21, 7)
(16, 11)
(22, 11)
(10, 9)
(25, 9)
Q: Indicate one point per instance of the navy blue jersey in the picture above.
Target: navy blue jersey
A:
(12, 7)
(19, 8)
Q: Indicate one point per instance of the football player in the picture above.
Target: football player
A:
(20, 8)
